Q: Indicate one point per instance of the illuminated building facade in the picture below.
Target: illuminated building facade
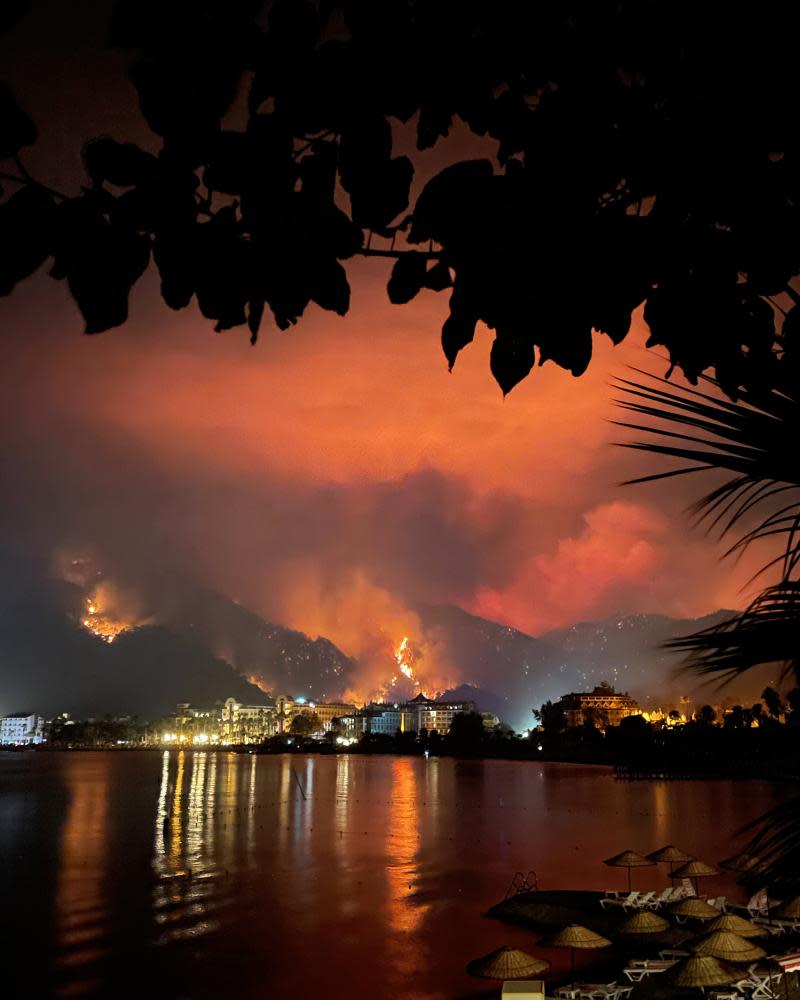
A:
(326, 711)
(436, 716)
(248, 723)
(411, 717)
(191, 726)
(287, 708)
(21, 729)
(603, 706)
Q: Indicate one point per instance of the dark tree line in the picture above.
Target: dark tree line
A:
(645, 154)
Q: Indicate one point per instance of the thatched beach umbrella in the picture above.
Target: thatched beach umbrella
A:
(671, 854)
(507, 963)
(575, 936)
(699, 971)
(699, 909)
(628, 859)
(695, 869)
(644, 922)
(729, 947)
(674, 855)
(736, 925)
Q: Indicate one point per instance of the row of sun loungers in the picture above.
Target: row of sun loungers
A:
(757, 984)
(594, 991)
(649, 900)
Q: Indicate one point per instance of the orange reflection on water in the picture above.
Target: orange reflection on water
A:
(81, 899)
(405, 912)
(185, 895)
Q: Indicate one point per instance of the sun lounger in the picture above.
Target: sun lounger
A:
(645, 900)
(664, 897)
(637, 971)
(627, 901)
(757, 905)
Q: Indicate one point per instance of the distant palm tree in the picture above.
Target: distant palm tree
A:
(757, 440)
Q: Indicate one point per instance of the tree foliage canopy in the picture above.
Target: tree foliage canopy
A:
(645, 154)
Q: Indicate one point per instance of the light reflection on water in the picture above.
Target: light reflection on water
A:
(200, 874)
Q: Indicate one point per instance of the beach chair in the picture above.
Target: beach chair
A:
(763, 984)
(665, 896)
(756, 906)
(719, 902)
(644, 901)
(624, 902)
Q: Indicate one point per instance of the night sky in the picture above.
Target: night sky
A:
(334, 477)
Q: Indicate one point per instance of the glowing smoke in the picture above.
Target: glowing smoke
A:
(393, 655)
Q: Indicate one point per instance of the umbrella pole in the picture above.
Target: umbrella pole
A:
(629, 878)
(572, 950)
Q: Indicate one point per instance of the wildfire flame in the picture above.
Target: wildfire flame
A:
(404, 658)
(100, 624)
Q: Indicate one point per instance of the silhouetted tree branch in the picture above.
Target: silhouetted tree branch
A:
(645, 154)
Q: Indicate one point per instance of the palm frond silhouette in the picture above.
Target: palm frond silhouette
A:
(755, 440)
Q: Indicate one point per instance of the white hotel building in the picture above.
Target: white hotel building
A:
(21, 729)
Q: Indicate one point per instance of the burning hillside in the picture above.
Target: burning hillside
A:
(101, 622)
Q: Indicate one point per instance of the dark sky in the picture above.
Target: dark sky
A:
(333, 477)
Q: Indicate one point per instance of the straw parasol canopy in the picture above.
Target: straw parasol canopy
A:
(674, 855)
(699, 971)
(694, 869)
(507, 963)
(728, 946)
(790, 910)
(575, 936)
(736, 925)
(693, 907)
(740, 863)
(629, 859)
(644, 922)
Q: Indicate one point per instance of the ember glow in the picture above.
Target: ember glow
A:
(103, 625)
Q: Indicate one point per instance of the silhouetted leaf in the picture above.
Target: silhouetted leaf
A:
(16, 128)
(459, 327)
(174, 254)
(434, 124)
(447, 201)
(27, 224)
(224, 277)
(227, 169)
(365, 145)
(285, 286)
(328, 286)
(255, 311)
(317, 171)
(408, 277)
(101, 263)
(121, 163)
(325, 227)
(437, 278)
(377, 199)
(511, 360)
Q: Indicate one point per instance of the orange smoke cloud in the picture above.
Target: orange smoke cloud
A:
(368, 623)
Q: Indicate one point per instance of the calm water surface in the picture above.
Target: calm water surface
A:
(195, 875)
